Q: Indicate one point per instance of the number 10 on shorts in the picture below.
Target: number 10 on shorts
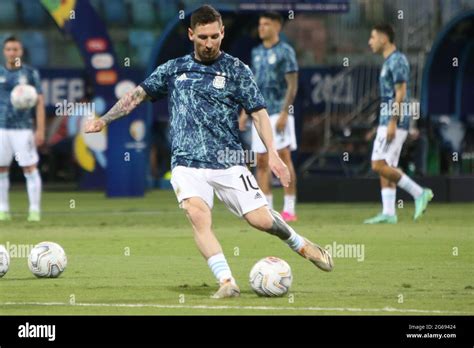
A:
(245, 180)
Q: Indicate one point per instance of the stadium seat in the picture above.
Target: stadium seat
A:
(166, 11)
(73, 55)
(8, 12)
(115, 11)
(36, 48)
(3, 37)
(141, 42)
(122, 50)
(143, 13)
(32, 12)
(97, 5)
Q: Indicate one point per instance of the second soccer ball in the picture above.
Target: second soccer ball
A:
(47, 260)
(4, 261)
(24, 97)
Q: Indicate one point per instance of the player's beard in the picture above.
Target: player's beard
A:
(207, 56)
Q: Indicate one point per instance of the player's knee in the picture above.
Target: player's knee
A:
(285, 155)
(29, 169)
(260, 219)
(262, 162)
(265, 223)
(195, 211)
(291, 168)
(377, 166)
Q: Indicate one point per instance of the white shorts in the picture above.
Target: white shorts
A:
(236, 187)
(18, 144)
(282, 139)
(390, 152)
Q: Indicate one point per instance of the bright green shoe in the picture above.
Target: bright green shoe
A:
(382, 219)
(5, 216)
(34, 216)
(422, 202)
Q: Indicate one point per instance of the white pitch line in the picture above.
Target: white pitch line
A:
(257, 308)
(112, 212)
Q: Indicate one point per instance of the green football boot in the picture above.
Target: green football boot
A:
(5, 216)
(422, 202)
(34, 216)
(382, 219)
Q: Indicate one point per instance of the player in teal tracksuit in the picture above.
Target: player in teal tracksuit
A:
(393, 128)
(205, 91)
(18, 140)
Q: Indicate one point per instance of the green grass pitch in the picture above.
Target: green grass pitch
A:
(137, 256)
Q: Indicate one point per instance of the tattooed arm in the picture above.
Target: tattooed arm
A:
(123, 107)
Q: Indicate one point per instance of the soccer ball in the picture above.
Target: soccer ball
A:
(47, 260)
(271, 277)
(4, 261)
(24, 97)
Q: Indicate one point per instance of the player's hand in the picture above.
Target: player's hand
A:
(281, 122)
(279, 168)
(370, 134)
(391, 129)
(243, 121)
(39, 137)
(94, 126)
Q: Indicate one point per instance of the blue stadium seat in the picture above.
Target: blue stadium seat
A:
(36, 48)
(3, 37)
(32, 12)
(8, 12)
(115, 11)
(143, 13)
(141, 42)
(167, 10)
(73, 55)
(97, 5)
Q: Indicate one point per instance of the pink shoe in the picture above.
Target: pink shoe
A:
(288, 217)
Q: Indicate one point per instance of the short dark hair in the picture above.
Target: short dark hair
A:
(204, 15)
(273, 15)
(387, 29)
(10, 38)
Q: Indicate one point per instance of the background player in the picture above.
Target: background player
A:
(276, 72)
(393, 128)
(17, 139)
(206, 89)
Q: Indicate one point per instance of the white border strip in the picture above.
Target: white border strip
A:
(256, 308)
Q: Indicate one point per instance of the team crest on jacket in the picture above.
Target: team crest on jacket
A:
(272, 58)
(219, 82)
(22, 80)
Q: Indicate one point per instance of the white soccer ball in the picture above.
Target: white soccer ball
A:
(271, 277)
(47, 260)
(24, 97)
(4, 261)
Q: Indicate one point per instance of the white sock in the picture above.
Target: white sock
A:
(289, 205)
(388, 201)
(295, 242)
(410, 186)
(219, 266)
(33, 186)
(4, 186)
(269, 200)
